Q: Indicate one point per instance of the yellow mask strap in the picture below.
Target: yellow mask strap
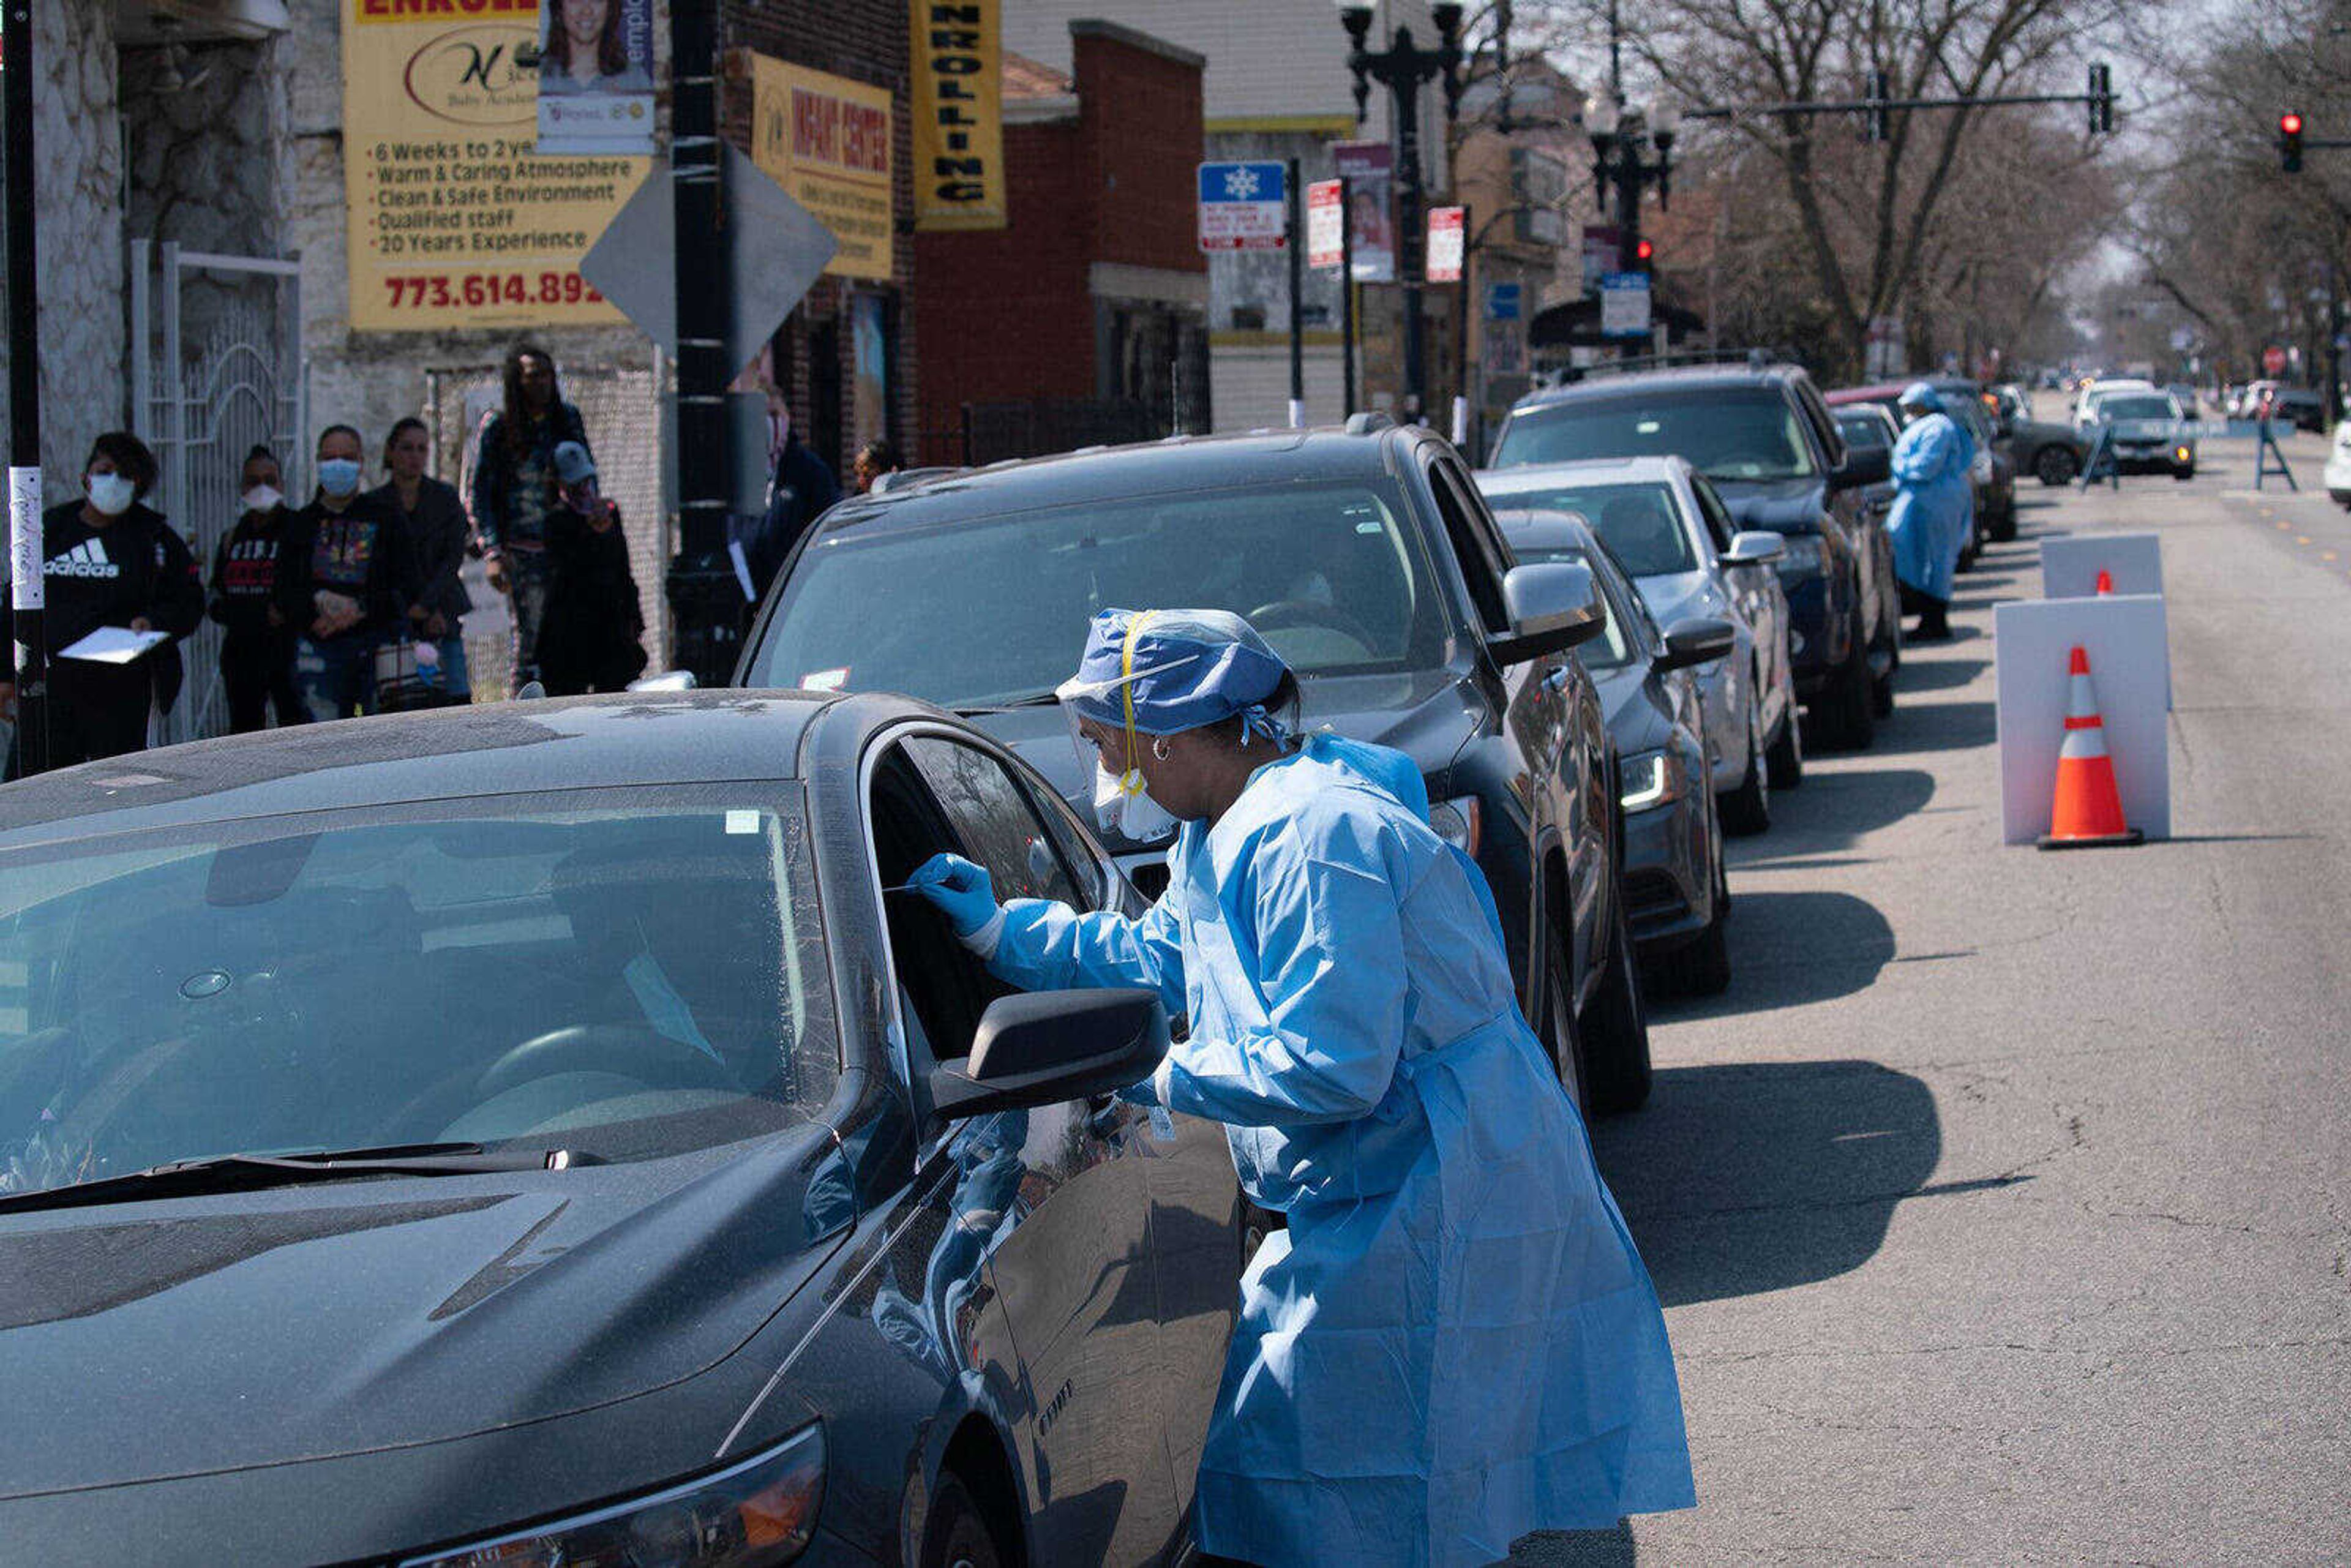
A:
(1127, 685)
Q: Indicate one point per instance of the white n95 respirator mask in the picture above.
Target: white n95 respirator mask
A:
(1122, 806)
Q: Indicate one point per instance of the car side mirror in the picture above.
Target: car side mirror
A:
(1863, 466)
(1552, 606)
(1754, 547)
(1042, 1047)
(1697, 641)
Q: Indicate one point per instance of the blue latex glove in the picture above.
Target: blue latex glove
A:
(961, 891)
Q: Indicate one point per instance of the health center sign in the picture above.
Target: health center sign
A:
(454, 219)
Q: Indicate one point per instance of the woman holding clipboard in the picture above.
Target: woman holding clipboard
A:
(111, 564)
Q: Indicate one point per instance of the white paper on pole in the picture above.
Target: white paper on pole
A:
(2070, 564)
(1447, 240)
(1297, 414)
(25, 586)
(2130, 670)
(1326, 243)
(1460, 422)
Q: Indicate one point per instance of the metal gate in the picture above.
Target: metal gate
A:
(202, 406)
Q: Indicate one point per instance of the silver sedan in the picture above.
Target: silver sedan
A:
(1677, 541)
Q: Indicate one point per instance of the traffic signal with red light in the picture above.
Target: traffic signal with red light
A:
(1644, 255)
(2290, 141)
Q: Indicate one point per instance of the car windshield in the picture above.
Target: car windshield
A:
(1865, 430)
(1727, 432)
(994, 609)
(2137, 408)
(1640, 522)
(621, 974)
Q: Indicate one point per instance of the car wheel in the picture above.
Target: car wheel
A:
(2183, 474)
(2055, 466)
(1881, 687)
(958, 1535)
(1848, 708)
(1703, 968)
(2003, 528)
(1748, 808)
(1786, 757)
(1560, 1037)
(1615, 1030)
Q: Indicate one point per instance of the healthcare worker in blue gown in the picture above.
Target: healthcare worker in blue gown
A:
(1454, 1342)
(1935, 508)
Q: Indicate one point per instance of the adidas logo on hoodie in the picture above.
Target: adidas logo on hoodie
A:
(87, 559)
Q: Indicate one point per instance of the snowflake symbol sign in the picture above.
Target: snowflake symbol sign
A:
(1240, 184)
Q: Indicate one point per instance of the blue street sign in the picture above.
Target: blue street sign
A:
(1625, 305)
(1503, 301)
(1244, 206)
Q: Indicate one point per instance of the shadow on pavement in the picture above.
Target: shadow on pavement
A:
(1787, 949)
(1833, 810)
(1751, 1176)
(1576, 1549)
(1938, 727)
(1939, 677)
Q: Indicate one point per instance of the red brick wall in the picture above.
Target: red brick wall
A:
(1141, 114)
(863, 40)
(1008, 315)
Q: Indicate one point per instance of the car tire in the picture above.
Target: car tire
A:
(1703, 968)
(958, 1534)
(1748, 808)
(2183, 474)
(1786, 757)
(1615, 1029)
(1556, 1003)
(1881, 687)
(2003, 528)
(2055, 466)
(1849, 707)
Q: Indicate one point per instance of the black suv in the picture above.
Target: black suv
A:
(1761, 432)
(1369, 561)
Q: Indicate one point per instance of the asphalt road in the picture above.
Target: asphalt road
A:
(1998, 1211)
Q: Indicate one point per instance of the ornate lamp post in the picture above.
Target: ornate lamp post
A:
(1402, 68)
(1619, 146)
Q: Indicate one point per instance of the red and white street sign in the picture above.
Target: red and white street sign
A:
(1445, 244)
(2274, 361)
(1326, 241)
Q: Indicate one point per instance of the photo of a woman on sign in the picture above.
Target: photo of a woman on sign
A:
(588, 50)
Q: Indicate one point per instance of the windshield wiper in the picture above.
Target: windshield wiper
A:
(242, 1173)
(1034, 699)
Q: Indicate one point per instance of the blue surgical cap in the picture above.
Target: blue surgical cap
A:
(1918, 394)
(1183, 669)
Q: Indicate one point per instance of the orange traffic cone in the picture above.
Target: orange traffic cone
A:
(2088, 810)
(2106, 581)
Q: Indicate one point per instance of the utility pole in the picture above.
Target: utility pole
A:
(705, 597)
(1296, 244)
(25, 563)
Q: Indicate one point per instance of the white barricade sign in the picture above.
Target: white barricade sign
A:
(2130, 668)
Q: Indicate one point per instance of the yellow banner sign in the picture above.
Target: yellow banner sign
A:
(958, 58)
(454, 221)
(826, 140)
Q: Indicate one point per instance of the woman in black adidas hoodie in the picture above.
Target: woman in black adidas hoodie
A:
(108, 560)
(256, 642)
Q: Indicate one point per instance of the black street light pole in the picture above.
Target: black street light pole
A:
(1402, 68)
(24, 580)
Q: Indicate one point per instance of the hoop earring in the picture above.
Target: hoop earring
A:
(1159, 749)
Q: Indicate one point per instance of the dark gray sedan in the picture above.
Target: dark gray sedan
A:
(534, 1133)
(1674, 885)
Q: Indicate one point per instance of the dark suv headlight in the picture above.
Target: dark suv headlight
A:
(750, 1515)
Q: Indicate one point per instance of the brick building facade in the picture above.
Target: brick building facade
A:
(845, 360)
(1095, 293)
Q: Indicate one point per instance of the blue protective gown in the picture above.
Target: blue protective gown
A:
(1935, 509)
(1455, 1341)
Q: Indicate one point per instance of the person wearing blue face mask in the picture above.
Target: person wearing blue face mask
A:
(109, 560)
(1454, 1342)
(345, 579)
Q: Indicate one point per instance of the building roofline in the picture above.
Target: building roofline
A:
(1095, 27)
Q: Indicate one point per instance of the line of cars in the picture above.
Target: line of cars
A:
(615, 1172)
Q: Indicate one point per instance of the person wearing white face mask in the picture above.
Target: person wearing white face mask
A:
(256, 643)
(108, 560)
(345, 582)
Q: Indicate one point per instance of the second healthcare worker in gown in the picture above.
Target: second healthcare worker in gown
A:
(1454, 1342)
(1934, 511)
